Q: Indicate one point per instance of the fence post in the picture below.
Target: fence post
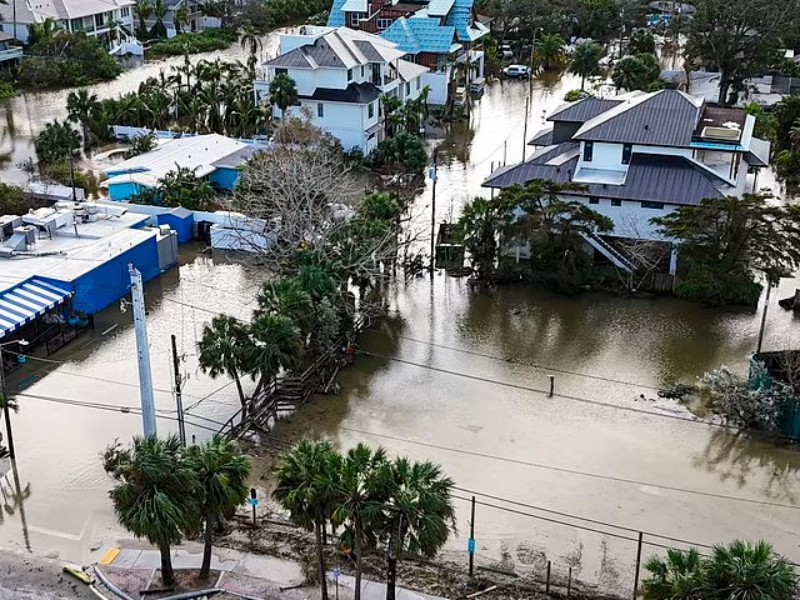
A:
(638, 565)
(552, 385)
(547, 583)
(569, 582)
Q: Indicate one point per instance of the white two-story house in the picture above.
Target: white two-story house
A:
(341, 75)
(642, 155)
(107, 20)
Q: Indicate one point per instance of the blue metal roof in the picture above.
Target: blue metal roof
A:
(27, 301)
(336, 18)
(460, 17)
(440, 8)
(420, 34)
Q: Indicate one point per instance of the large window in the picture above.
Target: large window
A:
(355, 19)
(99, 20)
(627, 150)
(419, 83)
(77, 25)
(384, 24)
(320, 110)
(370, 110)
(588, 151)
(653, 205)
(616, 202)
(125, 11)
(279, 71)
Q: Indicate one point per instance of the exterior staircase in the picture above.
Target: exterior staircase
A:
(610, 252)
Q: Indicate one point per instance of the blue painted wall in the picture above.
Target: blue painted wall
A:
(123, 191)
(224, 178)
(181, 225)
(110, 282)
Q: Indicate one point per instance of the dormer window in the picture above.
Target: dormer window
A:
(627, 150)
(349, 74)
(588, 151)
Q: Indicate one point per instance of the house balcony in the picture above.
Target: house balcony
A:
(10, 54)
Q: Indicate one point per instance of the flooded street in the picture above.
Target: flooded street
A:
(458, 376)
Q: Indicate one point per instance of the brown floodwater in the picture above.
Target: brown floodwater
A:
(459, 377)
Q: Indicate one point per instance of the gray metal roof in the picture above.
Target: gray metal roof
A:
(758, 155)
(665, 118)
(583, 110)
(339, 48)
(542, 138)
(651, 178)
(358, 93)
(239, 157)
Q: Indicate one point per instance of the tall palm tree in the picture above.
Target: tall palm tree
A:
(155, 494)
(221, 471)
(744, 570)
(678, 576)
(181, 18)
(306, 487)
(160, 10)
(641, 42)
(251, 41)
(423, 98)
(629, 74)
(144, 10)
(81, 108)
(419, 515)
(282, 92)
(586, 60)
(274, 344)
(221, 350)
(551, 53)
(360, 497)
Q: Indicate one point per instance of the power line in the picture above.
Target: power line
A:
(526, 388)
(573, 471)
(533, 365)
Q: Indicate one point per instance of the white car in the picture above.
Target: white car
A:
(506, 52)
(517, 72)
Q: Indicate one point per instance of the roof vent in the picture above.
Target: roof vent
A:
(646, 127)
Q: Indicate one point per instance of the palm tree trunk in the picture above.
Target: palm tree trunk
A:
(86, 141)
(239, 389)
(583, 82)
(323, 584)
(167, 574)
(357, 591)
(208, 540)
(391, 576)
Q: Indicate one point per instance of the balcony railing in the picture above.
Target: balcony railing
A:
(11, 54)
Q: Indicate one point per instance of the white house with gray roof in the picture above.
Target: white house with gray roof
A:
(642, 155)
(95, 18)
(341, 75)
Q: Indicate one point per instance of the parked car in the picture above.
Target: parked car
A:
(506, 52)
(517, 72)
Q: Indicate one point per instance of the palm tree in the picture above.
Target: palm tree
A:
(287, 297)
(423, 98)
(154, 497)
(586, 60)
(794, 134)
(744, 570)
(42, 33)
(221, 350)
(251, 41)
(221, 471)
(641, 42)
(316, 281)
(181, 18)
(282, 92)
(360, 497)
(676, 577)
(628, 74)
(551, 53)
(307, 479)
(81, 108)
(144, 9)
(160, 10)
(419, 515)
(274, 344)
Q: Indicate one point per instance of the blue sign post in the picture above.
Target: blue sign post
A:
(253, 501)
(471, 547)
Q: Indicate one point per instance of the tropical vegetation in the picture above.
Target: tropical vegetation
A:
(12, 200)
(164, 492)
(57, 142)
(209, 40)
(586, 61)
(639, 72)
(740, 569)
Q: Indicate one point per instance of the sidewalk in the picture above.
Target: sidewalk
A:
(241, 575)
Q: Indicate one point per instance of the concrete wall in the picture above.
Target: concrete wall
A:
(123, 191)
(630, 219)
(438, 83)
(182, 226)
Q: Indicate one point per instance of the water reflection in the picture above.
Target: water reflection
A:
(14, 497)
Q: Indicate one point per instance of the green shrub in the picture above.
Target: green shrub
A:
(12, 200)
(56, 142)
(193, 43)
(703, 285)
(403, 150)
(59, 172)
(7, 90)
(66, 60)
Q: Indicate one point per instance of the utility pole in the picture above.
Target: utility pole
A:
(72, 176)
(6, 399)
(471, 546)
(434, 176)
(178, 386)
(143, 351)
(525, 130)
(763, 319)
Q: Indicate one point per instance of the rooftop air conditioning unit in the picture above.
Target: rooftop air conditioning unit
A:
(721, 133)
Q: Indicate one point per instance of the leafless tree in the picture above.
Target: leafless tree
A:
(645, 255)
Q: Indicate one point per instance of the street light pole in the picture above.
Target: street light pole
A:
(434, 176)
(4, 392)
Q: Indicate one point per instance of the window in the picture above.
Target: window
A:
(125, 12)
(362, 71)
(594, 200)
(355, 19)
(616, 202)
(77, 25)
(384, 23)
(370, 110)
(654, 205)
(320, 110)
(627, 150)
(279, 71)
(349, 74)
(408, 89)
(99, 20)
(588, 150)
(419, 83)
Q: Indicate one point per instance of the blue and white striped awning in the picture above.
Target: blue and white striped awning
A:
(24, 303)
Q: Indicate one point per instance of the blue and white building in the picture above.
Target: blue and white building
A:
(213, 157)
(71, 260)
